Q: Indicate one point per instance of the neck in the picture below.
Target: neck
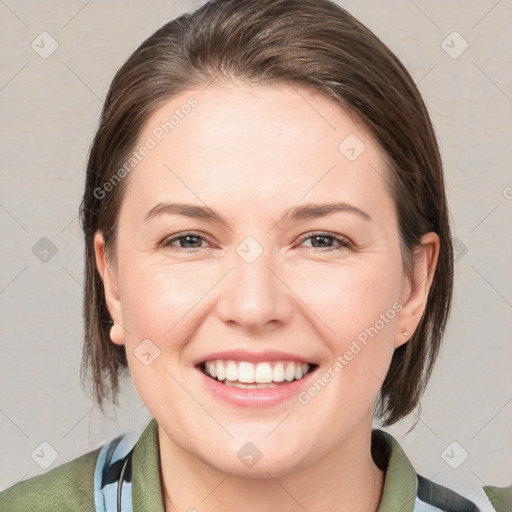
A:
(346, 479)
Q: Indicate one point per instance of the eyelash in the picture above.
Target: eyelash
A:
(343, 242)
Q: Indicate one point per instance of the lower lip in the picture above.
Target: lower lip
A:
(256, 397)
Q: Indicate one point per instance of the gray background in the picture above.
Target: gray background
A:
(49, 109)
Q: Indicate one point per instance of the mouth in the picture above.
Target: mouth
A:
(263, 375)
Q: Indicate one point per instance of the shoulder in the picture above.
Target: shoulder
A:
(404, 486)
(67, 488)
(500, 497)
(438, 497)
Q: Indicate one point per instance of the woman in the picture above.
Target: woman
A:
(268, 254)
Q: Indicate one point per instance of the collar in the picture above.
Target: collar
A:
(400, 482)
(399, 493)
(147, 492)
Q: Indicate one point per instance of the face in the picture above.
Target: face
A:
(254, 274)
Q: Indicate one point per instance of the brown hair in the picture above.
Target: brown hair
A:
(310, 43)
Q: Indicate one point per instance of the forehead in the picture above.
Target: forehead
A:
(247, 145)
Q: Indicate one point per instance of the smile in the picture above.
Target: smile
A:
(244, 374)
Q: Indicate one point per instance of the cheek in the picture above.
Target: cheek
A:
(355, 310)
(162, 301)
(351, 298)
(157, 299)
(160, 305)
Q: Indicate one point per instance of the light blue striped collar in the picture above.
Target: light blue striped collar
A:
(113, 475)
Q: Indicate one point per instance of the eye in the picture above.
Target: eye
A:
(189, 240)
(323, 239)
(192, 241)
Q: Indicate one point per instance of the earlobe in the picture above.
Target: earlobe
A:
(117, 334)
(110, 288)
(416, 294)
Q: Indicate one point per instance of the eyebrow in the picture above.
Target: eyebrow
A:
(306, 211)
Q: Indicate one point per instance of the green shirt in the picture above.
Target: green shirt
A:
(70, 487)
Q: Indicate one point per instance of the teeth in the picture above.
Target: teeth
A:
(221, 374)
(231, 371)
(245, 373)
(263, 373)
(289, 373)
(248, 386)
(259, 375)
(278, 372)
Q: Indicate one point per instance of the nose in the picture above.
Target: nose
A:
(255, 294)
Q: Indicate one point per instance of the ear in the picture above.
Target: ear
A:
(415, 293)
(110, 288)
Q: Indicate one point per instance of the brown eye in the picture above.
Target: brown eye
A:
(186, 241)
(324, 241)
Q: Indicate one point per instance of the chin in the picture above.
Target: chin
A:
(261, 470)
(253, 463)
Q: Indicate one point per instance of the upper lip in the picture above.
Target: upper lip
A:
(254, 357)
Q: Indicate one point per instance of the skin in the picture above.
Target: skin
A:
(251, 153)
